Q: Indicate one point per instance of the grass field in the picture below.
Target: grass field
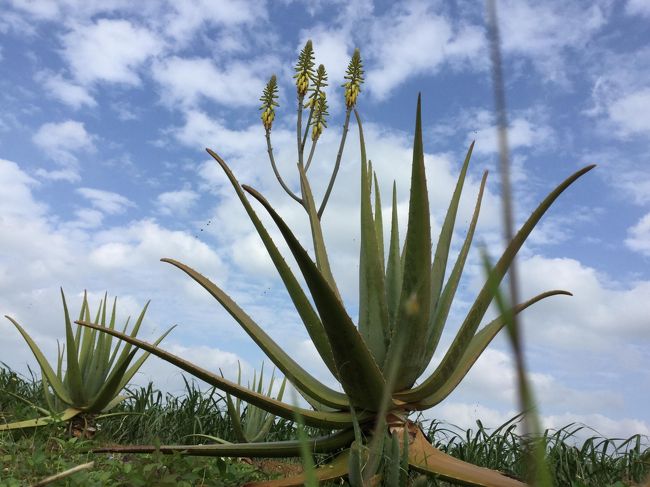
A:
(27, 457)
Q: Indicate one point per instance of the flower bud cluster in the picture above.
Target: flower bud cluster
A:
(354, 76)
(268, 98)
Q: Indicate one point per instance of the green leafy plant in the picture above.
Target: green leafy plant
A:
(95, 373)
(404, 302)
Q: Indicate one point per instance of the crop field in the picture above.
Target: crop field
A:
(151, 417)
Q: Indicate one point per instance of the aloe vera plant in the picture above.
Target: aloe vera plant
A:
(404, 302)
(95, 373)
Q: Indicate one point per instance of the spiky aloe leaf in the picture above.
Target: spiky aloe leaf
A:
(289, 367)
(73, 373)
(477, 345)
(66, 415)
(301, 302)
(467, 330)
(393, 267)
(54, 381)
(271, 449)
(358, 372)
(427, 459)
(322, 261)
(441, 312)
(312, 418)
(446, 233)
(415, 300)
(373, 310)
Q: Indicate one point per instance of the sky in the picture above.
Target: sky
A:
(107, 107)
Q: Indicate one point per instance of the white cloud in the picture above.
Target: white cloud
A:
(544, 31)
(523, 132)
(184, 19)
(109, 50)
(638, 7)
(188, 81)
(16, 193)
(106, 201)
(65, 91)
(630, 112)
(411, 40)
(639, 236)
(172, 202)
(61, 141)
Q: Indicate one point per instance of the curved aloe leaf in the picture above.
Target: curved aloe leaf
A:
(301, 302)
(415, 300)
(446, 233)
(312, 418)
(289, 367)
(477, 345)
(47, 370)
(272, 449)
(322, 261)
(45, 420)
(428, 459)
(441, 312)
(358, 372)
(477, 311)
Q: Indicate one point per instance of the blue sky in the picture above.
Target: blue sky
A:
(108, 106)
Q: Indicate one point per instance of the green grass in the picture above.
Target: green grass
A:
(156, 418)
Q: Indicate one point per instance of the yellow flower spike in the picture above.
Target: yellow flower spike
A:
(268, 98)
(354, 75)
(318, 122)
(304, 69)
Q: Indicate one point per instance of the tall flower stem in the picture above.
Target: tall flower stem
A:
(337, 164)
(269, 149)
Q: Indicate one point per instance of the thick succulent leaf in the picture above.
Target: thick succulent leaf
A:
(441, 312)
(393, 267)
(73, 373)
(425, 458)
(110, 389)
(298, 297)
(476, 347)
(322, 261)
(379, 222)
(128, 375)
(467, 330)
(312, 418)
(373, 310)
(415, 300)
(272, 449)
(446, 234)
(289, 367)
(358, 372)
(33, 423)
(87, 340)
(55, 382)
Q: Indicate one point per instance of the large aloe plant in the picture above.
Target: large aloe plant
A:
(404, 302)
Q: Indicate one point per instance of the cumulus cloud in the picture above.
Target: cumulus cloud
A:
(65, 91)
(62, 142)
(637, 7)
(109, 50)
(189, 80)
(172, 202)
(426, 41)
(630, 112)
(639, 236)
(106, 201)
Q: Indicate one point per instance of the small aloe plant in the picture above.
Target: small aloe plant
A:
(253, 423)
(95, 373)
(404, 302)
